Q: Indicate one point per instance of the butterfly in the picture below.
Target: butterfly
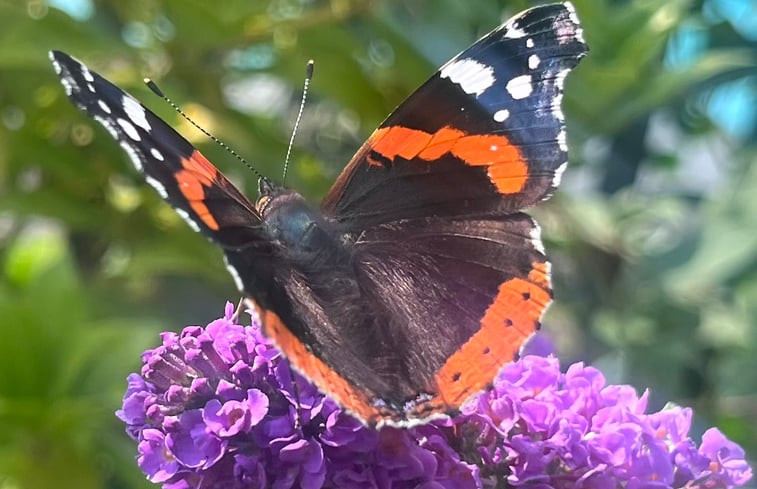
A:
(419, 277)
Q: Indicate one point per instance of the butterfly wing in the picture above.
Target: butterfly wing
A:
(459, 295)
(485, 135)
(195, 188)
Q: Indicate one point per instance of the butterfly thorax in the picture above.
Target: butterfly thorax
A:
(301, 232)
(321, 297)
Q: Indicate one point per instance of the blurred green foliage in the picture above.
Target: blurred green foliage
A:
(653, 235)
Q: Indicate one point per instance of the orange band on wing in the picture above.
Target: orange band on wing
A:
(316, 370)
(197, 174)
(506, 168)
(510, 319)
(399, 141)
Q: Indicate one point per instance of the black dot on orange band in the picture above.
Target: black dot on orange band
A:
(508, 322)
(456, 376)
(487, 350)
(526, 296)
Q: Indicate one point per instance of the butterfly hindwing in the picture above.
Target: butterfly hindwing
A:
(460, 298)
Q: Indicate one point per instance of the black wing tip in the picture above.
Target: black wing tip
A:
(550, 11)
(567, 19)
(56, 58)
(59, 57)
(559, 18)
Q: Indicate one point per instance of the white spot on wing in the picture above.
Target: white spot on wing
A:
(103, 106)
(562, 140)
(235, 275)
(154, 183)
(533, 61)
(557, 108)
(91, 87)
(108, 126)
(65, 80)
(558, 174)
(535, 236)
(56, 65)
(580, 35)
(529, 43)
(188, 219)
(514, 32)
(560, 79)
(86, 74)
(156, 154)
(501, 115)
(136, 112)
(68, 86)
(511, 30)
(572, 12)
(520, 87)
(130, 130)
(473, 77)
(133, 155)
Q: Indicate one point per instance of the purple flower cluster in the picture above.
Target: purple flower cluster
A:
(544, 429)
(218, 407)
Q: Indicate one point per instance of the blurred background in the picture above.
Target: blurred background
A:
(653, 234)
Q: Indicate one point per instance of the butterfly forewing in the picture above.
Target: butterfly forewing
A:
(485, 135)
(168, 162)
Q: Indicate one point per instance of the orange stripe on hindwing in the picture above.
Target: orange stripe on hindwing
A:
(316, 370)
(510, 320)
(507, 169)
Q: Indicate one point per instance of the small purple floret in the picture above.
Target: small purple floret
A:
(155, 459)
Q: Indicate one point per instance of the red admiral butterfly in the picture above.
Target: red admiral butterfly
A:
(419, 277)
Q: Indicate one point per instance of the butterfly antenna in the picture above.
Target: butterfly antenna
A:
(157, 91)
(308, 77)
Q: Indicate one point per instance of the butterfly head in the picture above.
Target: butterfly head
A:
(267, 191)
